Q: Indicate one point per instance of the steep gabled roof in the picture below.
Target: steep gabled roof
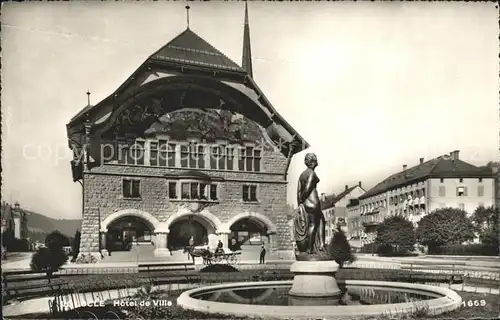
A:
(189, 48)
(331, 201)
(440, 167)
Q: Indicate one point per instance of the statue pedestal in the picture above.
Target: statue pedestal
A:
(314, 279)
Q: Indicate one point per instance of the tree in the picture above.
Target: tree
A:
(339, 249)
(396, 232)
(51, 258)
(76, 245)
(48, 260)
(56, 239)
(8, 239)
(445, 226)
(486, 222)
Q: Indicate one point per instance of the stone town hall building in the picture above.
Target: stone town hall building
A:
(187, 146)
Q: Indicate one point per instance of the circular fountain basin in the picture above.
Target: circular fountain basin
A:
(270, 299)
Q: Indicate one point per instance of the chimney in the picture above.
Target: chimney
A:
(323, 197)
(456, 154)
(404, 167)
(346, 187)
(421, 160)
(359, 184)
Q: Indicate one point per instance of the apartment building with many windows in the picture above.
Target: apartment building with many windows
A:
(445, 181)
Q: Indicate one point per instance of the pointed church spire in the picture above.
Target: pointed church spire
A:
(187, 15)
(246, 62)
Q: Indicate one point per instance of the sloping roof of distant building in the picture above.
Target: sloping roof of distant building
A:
(440, 167)
(331, 201)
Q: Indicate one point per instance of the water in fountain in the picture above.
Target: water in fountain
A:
(277, 295)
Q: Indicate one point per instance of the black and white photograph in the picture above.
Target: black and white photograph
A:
(250, 160)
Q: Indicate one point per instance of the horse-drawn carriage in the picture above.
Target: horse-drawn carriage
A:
(223, 255)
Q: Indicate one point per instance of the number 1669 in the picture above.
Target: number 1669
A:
(474, 303)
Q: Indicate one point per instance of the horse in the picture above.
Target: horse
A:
(205, 254)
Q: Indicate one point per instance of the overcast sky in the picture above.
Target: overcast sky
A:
(371, 86)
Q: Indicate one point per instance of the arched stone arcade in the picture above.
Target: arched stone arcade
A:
(248, 228)
(129, 225)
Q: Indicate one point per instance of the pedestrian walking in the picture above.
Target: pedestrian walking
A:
(262, 254)
(191, 246)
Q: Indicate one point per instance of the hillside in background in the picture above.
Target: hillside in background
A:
(40, 224)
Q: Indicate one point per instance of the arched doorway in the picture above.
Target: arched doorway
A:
(129, 229)
(185, 228)
(248, 231)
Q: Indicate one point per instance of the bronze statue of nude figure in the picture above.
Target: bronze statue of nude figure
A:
(309, 222)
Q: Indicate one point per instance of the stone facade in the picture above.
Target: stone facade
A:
(103, 197)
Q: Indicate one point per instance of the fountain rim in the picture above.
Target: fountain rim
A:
(449, 300)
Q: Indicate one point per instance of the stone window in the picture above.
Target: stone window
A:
(218, 157)
(172, 190)
(250, 193)
(230, 158)
(461, 191)
(185, 156)
(221, 157)
(213, 192)
(131, 154)
(153, 153)
(131, 188)
(200, 156)
(480, 191)
(249, 159)
(165, 154)
(198, 191)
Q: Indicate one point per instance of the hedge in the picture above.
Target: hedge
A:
(384, 250)
(475, 249)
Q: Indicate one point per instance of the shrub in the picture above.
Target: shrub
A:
(340, 250)
(369, 248)
(396, 234)
(48, 260)
(219, 268)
